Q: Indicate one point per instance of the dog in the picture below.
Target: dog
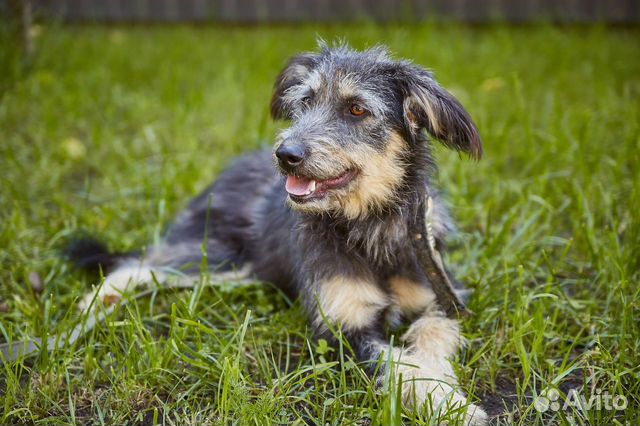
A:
(324, 215)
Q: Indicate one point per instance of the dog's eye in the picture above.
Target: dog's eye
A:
(357, 110)
(306, 100)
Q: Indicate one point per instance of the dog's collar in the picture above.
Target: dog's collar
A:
(431, 261)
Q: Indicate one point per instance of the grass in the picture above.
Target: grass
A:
(113, 129)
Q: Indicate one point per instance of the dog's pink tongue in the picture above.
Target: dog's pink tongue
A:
(299, 185)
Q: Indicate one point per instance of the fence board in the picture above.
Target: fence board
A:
(258, 11)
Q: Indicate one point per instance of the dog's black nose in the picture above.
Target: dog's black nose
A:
(290, 155)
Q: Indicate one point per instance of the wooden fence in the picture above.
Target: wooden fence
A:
(260, 11)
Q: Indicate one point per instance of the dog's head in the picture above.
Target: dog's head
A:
(356, 120)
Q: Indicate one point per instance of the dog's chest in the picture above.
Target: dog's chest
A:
(384, 242)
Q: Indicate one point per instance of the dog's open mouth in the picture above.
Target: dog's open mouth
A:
(302, 189)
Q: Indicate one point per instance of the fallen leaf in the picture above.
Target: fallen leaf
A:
(74, 148)
(36, 282)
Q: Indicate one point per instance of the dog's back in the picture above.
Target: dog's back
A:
(244, 219)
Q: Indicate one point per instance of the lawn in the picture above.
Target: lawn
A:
(112, 129)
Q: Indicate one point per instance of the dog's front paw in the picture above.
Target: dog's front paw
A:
(440, 399)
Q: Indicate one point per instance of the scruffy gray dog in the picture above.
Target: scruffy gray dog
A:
(329, 222)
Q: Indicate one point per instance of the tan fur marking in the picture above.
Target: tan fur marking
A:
(431, 115)
(411, 297)
(351, 302)
(425, 101)
(381, 174)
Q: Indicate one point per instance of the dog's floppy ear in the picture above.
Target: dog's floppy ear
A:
(293, 73)
(428, 106)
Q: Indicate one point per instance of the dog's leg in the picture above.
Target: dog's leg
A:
(425, 367)
(137, 272)
(127, 275)
(431, 341)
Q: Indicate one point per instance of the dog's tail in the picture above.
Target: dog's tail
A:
(91, 254)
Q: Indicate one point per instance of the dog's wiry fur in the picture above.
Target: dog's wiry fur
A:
(345, 249)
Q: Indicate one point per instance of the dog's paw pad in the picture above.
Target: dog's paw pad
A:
(102, 297)
(111, 299)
